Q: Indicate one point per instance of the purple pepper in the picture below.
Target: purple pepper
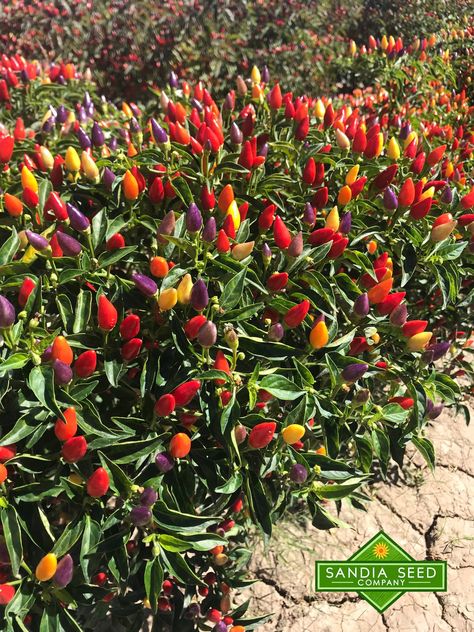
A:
(61, 80)
(7, 313)
(405, 130)
(37, 241)
(86, 100)
(276, 332)
(229, 102)
(353, 372)
(361, 397)
(143, 283)
(439, 349)
(199, 296)
(62, 114)
(24, 76)
(149, 496)
(210, 231)
(435, 411)
(236, 136)
(265, 74)
(83, 138)
(140, 516)
(158, 133)
(134, 126)
(48, 124)
(69, 245)
(46, 355)
(166, 227)
(64, 571)
(173, 80)
(62, 372)
(361, 305)
(266, 251)
(108, 177)
(208, 146)
(78, 220)
(296, 245)
(113, 144)
(220, 627)
(309, 216)
(447, 195)
(390, 200)
(196, 104)
(399, 315)
(298, 473)
(346, 223)
(263, 151)
(193, 219)
(164, 462)
(207, 335)
(97, 135)
(193, 611)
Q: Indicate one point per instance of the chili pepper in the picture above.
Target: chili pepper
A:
(62, 372)
(207, 335)
(72, 162)
(193, 219)
(184, 393)
(261, 434)
(292, 433)
(421, 209)
(296, 315)
(145, 284)
(380, 291)
(69, 245)
(387, 306)
(357, 186)
(7, 144)
(77, 219)
(295, 248)
(13, 205)
(405, 402)
(406, 196)
(413, 327)
(361, 306)
(64, 571)
(338, 246)
(64, 430)
(98, 483)
(167, 299)
(353, 372)
(385, 177)
(267, 217)
(85, 364)
(199, 297)
(320, 198)
(179, 446)
(7, 452)
(467, 201)
(61, 350)
(319, 336)
(435, 155)
(359, 143)
(38, 242)
(107, 314)
(399, 315)
(281, 234)
(130, 186)
(165, 405)
(25, 290)
(46, 567)
(242, 251)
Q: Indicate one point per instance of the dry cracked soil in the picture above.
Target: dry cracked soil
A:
(431, 515)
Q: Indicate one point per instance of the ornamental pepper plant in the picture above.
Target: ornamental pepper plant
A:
(212, 310)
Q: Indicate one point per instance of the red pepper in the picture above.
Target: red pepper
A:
(192, 327)
(406, 196)
(85, 364)
(261, 434)
(309, 171)
(295, 315)
(130, 326)
(222, 243)
(98, 483)
(6, 148)
(281, 234)
(267, 217)
(26, 288)
(413, 327)
(421, 209)
(385, 177)
(184, 393)
(221, 364)
(388, 304)
(165, 405)
(360, 142)
(320, 198)
(107, 314)
(277, 281)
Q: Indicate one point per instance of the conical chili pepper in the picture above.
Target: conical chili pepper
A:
(399, 315)
(7, 144)
(406, 195)
(85, 364)
(25, 290)
(392, 301)
(413, 327)
(193, 219)
(360, 142)
(295, 315)
(69, 245)
(421, 209)
(98, 483)
(385, 177)
(380, 291)
(184, 393)
(37, 241)
(199, 296)
(106, 314)
(210, 231)
(77, 219)
(166, 226)
(309, 172)
(419, 162)
(267, 217)
(130, 186)
(7, 313)
(320, 198)
(281, 234)
(261, 434)
(467, 201)
(353, 372)
(435, 155)
(13, 205)
(361, 305)
(319, 336)
(145, 284)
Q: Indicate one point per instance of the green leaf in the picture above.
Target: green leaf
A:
(41, 382)
(179, 522)
(69, 537)
(118, 479)
(15, 361)
(83, 311)
(153, 579)
(426, 449)
(65, 310)
(281, 387)
(232, 293)
(109, 257)
(90, 539)
(9, 248)
(12, 535)
(182, 190)
(340, 490)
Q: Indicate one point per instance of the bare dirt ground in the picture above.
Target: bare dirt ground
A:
(429, 515)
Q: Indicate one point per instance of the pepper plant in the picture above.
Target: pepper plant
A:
(211, 310)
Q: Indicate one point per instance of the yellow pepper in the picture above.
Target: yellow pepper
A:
(332, 220)
(292, 433)
(352, 174)
(46, 567)
(28, 180)
(168, 299)
(184, 290)
(419, 341)
(393, 149)
(72, 160)
(319, 336)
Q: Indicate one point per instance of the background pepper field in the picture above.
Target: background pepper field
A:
(288, 387)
